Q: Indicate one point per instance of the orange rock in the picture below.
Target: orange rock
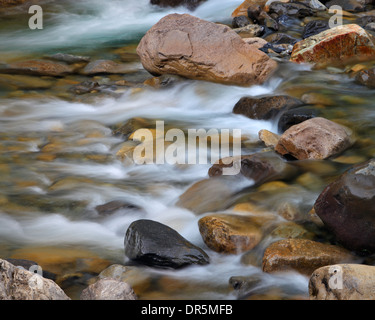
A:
(302, 255)
(232, 233)
(334, 47)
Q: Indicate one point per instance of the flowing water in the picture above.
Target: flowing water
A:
(58, 156)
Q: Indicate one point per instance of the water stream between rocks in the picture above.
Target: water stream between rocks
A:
(59, 158)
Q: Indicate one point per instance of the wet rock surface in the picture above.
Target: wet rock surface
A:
(302, 255)
(232, 234)
(316, 138)
(152, 243)
(265, 108)
(298, 211)
(190, 4)
(346, 206)
(37, 67)
(259, 167)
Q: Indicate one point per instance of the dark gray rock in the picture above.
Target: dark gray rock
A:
(314, 27)
(297, 10)
(154, 244)
(350, 5)
(253, 12)
(190, 4)
(295, 116)
(281, 38)
(240, 22)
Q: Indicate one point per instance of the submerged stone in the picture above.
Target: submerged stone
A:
(302, 255)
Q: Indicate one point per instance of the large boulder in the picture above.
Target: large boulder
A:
(154, 244)
(198, 49)
(335, 47)
(302, 255)
(347, 207)
(343, 282)
(16, 283)
(316, 138)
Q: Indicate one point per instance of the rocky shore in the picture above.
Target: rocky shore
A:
(334, 236)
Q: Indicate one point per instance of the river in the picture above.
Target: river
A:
(51, 202)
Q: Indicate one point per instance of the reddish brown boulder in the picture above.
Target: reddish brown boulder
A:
(336, 46)
(202, 50)
(316, 138)
(302, 255)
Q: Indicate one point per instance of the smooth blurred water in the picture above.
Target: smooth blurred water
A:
(78, 130)
(88, 24)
